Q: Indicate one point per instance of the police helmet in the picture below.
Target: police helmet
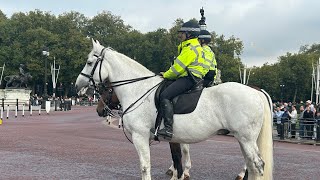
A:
(204, 34)
(191, 27)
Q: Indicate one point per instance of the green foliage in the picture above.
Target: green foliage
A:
(227, 53)
(267, 78)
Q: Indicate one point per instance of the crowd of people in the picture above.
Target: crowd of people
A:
(300, 118)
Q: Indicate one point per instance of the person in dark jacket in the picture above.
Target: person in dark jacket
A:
(308, 121)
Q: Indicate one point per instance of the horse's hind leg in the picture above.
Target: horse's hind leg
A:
(187, 161)
(176, 158)
(253, 159)
(243, 175)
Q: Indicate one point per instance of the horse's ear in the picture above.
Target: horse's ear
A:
(95, 43)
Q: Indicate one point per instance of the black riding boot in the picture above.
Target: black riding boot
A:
(167, 114)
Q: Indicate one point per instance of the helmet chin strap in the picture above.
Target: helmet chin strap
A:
(188, 36)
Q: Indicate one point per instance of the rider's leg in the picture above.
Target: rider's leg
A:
(179, 86)
(167, 113)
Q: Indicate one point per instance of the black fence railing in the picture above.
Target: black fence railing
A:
(299, 129)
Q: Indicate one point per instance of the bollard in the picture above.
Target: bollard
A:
(30, 110)
(8, 112)
(318, 131)
(17, 104)
(1, 116)
(40, 110)
(16, 112)
(2, 104)
(22, 110)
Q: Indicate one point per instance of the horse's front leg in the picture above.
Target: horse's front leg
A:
(141, 144)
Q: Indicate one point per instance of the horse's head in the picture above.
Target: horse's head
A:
(94, 71)
(108, 100)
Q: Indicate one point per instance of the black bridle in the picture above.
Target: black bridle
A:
(100, 58)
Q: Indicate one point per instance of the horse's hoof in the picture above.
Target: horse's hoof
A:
(239, 178)
(169, 172)
(186, 177)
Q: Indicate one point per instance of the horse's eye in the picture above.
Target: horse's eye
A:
(89, 63)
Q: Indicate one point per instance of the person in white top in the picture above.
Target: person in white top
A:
(294, 116)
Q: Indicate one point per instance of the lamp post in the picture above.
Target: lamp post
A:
(45, 52)
(281, 89)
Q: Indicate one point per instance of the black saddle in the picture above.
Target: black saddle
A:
(184, 103)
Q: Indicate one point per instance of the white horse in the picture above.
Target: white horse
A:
(242, 110)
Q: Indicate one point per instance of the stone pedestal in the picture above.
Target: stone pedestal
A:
(10, 96)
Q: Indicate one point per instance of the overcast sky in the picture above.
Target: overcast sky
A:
(268, 28)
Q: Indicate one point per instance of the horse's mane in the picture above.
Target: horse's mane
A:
(133, 64)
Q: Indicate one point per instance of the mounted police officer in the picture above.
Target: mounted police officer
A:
(205, 39)
(187, 70)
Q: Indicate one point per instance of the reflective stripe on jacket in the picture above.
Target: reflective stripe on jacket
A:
(191, 57)
(210, 58)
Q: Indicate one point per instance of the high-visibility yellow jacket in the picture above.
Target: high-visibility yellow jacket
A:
(191, 57)
(210, 58)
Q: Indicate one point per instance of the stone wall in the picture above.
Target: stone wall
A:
(11, 95)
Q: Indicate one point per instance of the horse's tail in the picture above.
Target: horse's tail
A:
(265, 141)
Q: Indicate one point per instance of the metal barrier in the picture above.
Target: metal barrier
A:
(303, 129)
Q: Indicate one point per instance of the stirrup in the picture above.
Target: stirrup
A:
(154, 131)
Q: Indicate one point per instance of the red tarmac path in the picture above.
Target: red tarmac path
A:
(77, 145)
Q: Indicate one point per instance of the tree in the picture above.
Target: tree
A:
(107, 28)
(267, 78)
(227, 53)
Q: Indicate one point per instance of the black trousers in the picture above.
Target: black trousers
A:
(177, 87)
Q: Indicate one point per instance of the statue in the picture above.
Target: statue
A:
(18, 81)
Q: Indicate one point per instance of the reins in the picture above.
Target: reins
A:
(128, 81)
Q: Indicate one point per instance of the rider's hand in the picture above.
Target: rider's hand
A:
(161, 74)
